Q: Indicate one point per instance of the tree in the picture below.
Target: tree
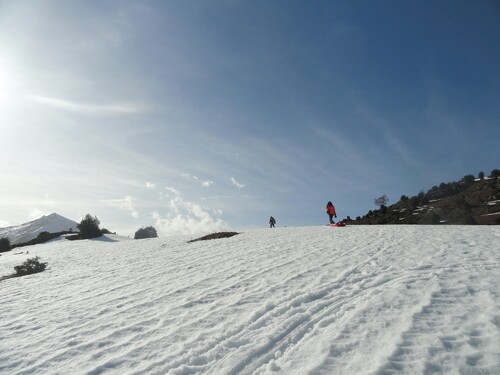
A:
(4, 244)
(89, 227)
(148, 232)
(495, 173)
(381, 201)
(481, 175)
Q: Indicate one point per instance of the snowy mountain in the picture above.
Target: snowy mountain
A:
(52, 223)
(312, 300)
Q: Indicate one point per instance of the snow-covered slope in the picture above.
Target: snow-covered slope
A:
(52, 223)
(312, 300)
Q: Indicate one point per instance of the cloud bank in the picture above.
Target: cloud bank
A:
(186, 218)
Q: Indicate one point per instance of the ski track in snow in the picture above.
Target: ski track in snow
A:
(313, 300)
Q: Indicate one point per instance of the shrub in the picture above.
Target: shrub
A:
(89, 227)
(43, 236)
(422, 198)
(468, 219)
(4, 244)
(32, 265)
(148, 232)
(429, 218)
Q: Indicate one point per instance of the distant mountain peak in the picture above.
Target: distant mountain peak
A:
(27, 231)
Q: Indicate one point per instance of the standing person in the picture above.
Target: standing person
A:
(272, 221)
(330, 210)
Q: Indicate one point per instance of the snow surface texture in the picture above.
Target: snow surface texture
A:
(52, 223)
(312, 300)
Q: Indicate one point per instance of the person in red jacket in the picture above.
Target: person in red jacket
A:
(330, 210)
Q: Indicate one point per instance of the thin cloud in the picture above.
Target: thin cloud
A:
(388, 133)
(125, 204)
(206, 183)
(92, 109)
(236, 183)
(150, 185)
(190, 176)
(172, 190)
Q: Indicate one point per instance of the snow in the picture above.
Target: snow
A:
(52, 223)
(310, 300)
(492, 214)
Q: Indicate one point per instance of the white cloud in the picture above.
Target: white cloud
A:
(150, 185)
(236, 183)
(187, 218)
(207, 183)
(125, 204)
(94, 109)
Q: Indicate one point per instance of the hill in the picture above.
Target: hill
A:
(469, 201)
(29, 231)
(354, 300)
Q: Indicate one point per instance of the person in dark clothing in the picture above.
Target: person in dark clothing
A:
(330, 210)
(272, 221)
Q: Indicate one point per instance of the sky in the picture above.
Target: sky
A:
(195, 116)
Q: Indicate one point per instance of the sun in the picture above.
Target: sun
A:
(10, 81)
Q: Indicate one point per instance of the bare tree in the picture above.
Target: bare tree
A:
(381, 201)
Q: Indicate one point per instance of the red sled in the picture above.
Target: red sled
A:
(339, 224)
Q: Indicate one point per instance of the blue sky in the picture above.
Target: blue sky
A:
(197, 116)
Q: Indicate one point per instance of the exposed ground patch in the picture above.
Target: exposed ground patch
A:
(214, 236)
